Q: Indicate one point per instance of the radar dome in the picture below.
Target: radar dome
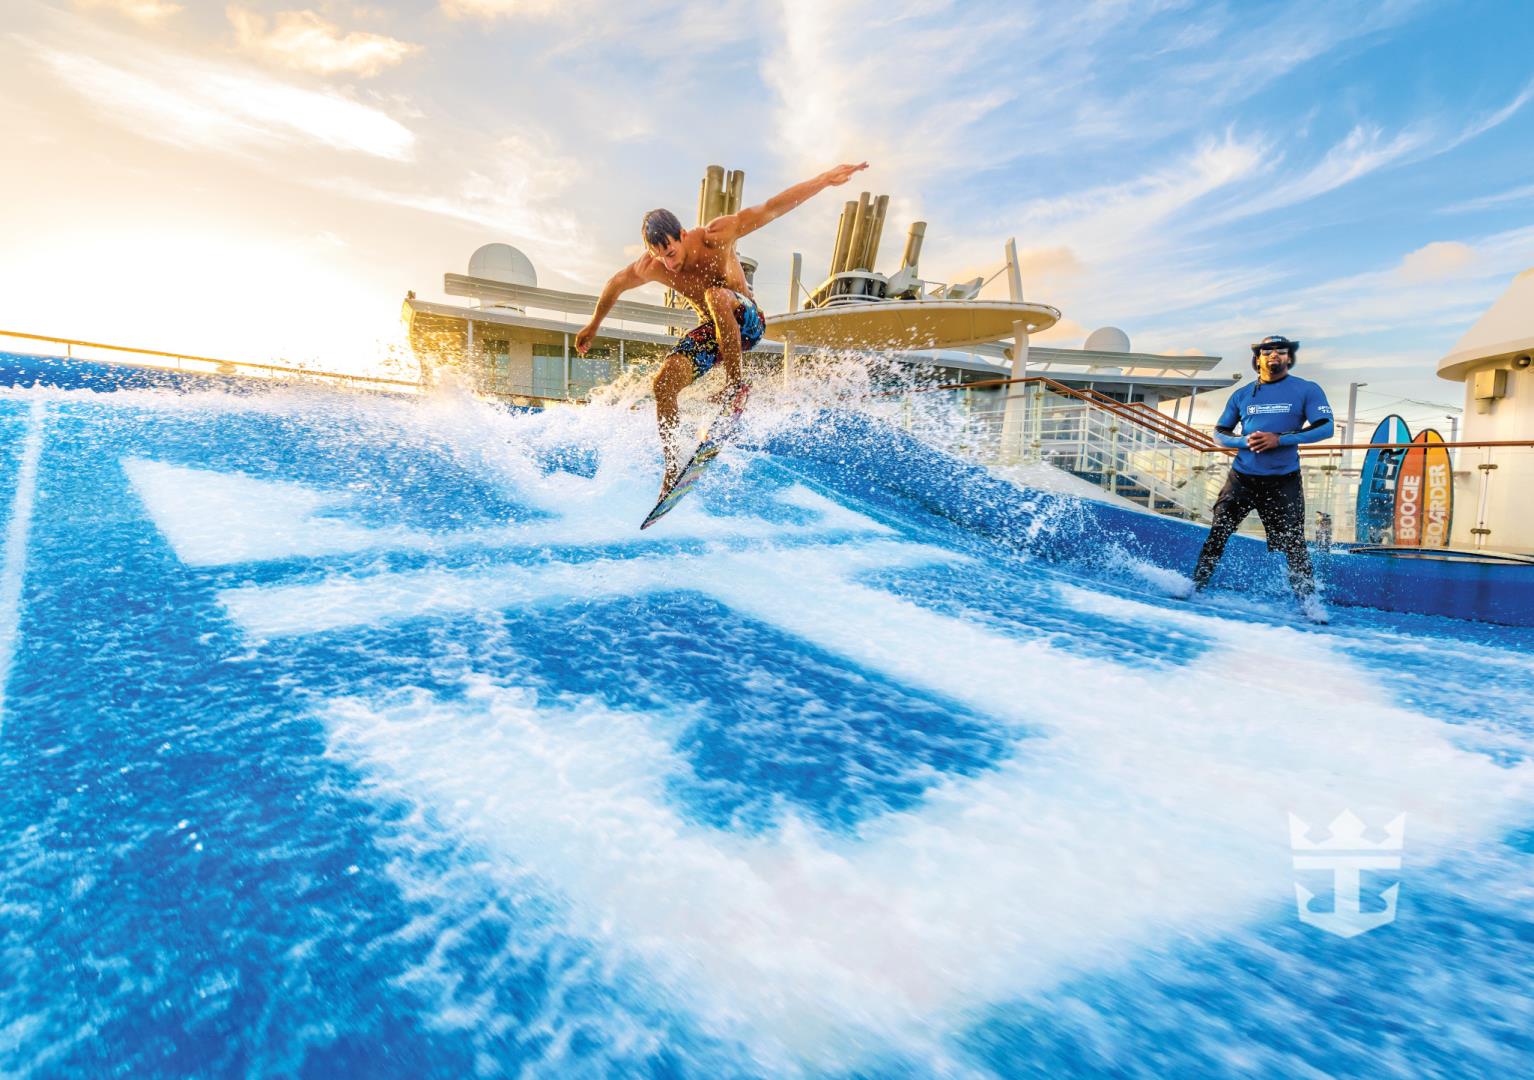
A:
(503, 263)
(1107, 339)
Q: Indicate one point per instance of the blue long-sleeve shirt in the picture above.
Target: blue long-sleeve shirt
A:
(1285, 408)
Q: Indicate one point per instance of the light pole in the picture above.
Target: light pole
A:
(1352, 419)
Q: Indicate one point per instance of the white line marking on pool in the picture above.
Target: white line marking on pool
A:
(13, 563)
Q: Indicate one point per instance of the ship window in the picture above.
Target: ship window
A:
(500, 358)
(588, 371)
(595, 368)
(548, 375)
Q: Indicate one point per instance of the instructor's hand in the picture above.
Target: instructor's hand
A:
(1258, 441)
(841, 174)
(583, 338)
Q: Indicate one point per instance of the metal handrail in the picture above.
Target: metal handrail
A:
(1124, 450)
(1329, 447)
(1188, 430)
(1120, 408)
(1106, 436)
(1163, 423)
(72, 343)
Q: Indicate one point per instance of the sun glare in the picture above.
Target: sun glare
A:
(227, 296)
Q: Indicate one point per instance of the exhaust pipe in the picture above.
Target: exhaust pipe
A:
(913, 245)
(859, 243)
(714, 201)
(844, 238)
(733, 191)
(875, 228)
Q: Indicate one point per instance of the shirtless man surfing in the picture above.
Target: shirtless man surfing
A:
(702, 267)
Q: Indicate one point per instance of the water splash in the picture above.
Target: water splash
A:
(361, 730)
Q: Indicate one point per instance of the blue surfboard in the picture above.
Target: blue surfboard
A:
(1377, 482)
(718, 433)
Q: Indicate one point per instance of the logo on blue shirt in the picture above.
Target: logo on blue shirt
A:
(1283, 409)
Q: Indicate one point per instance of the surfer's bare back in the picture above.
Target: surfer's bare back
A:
(702, 267)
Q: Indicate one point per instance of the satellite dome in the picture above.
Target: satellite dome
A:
(1107, 339)
(503, 263)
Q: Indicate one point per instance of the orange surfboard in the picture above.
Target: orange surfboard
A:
(1424, 502)
(1438, 491)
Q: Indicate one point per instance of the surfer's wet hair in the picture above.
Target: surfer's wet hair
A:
(660, 227)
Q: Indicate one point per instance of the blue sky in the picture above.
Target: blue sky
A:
(1356, 175)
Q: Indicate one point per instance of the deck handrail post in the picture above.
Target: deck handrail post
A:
(1015, 418)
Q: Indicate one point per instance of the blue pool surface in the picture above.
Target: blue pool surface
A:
(349, 735)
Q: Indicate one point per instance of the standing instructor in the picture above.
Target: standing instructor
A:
(1278, 413)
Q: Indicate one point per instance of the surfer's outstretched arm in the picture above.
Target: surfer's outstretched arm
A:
(733, 226)
(620, 283)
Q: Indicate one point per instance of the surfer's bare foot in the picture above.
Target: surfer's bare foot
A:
(732, 394)
(726, 393)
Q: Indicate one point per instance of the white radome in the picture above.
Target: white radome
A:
(503, 263)
(1107, 339)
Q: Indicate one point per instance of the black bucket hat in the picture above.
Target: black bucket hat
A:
(1275, 341)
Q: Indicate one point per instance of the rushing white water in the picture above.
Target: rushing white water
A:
(793, 783)
(13, 552)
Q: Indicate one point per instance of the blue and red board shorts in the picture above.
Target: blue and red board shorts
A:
(701, 343)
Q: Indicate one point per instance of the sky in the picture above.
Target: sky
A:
(264, 181)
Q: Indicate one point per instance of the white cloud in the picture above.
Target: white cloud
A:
(1067, 333)
(858, 81)
(1419, 303)
(1497, 118)
(1489, 202)
(307, 41)
(1363, 151)
(1429, 287)
(940, 109)
(634, 33)
(1437, 260)
(202, 105)
(1079, 139)
(519, 197)
(493, 9)
(1116, 218)
(1117, 141)
(146, 11)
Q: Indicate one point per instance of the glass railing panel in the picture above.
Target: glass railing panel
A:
(1492, 486)
(1488, 498)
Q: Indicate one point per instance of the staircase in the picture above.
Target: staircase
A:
(1131, 451)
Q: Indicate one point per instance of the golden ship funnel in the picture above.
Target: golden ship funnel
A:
(913, 245)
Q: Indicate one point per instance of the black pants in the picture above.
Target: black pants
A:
(1280, 505)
